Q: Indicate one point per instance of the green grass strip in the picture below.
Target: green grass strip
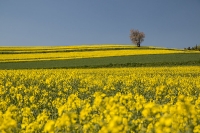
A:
(117, 61)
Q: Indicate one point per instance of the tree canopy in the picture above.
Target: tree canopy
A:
(136, 37)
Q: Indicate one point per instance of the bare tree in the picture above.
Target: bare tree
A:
(136, 37)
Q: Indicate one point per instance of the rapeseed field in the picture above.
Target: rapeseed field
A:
(104, 100)
(80, 54)
(21, 54)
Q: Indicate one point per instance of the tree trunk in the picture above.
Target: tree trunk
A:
(138, 44)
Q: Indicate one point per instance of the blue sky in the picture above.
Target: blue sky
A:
(166, 23)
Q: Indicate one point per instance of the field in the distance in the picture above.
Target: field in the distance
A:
(93, 56)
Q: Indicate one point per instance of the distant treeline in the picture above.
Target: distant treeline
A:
(197, 47)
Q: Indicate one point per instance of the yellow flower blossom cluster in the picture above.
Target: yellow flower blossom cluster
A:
(111, 100)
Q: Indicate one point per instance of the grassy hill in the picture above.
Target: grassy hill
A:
(94, 57)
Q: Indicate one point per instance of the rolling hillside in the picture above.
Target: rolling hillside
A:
(93, 56)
